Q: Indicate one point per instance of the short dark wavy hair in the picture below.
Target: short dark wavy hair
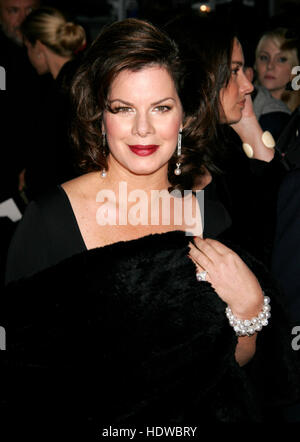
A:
(133, 44)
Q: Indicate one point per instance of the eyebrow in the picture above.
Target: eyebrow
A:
(239, 63)
(280, 51)
(130, 104)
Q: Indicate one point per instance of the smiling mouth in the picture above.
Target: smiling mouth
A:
(143, 150)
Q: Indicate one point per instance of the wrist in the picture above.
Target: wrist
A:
(253, 324)
(248, 306)
(247, 128)
(259, 145)
(252, 135)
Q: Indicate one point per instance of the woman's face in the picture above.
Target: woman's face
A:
(144, 119)
(36, 58)
(233, 96)
(273, 68)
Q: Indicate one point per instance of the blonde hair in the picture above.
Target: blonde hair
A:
(50, 27)
(289, 45)
(280, 37)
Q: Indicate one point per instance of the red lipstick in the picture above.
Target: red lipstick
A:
(143, 150)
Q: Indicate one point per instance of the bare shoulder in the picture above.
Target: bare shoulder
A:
(82, 187)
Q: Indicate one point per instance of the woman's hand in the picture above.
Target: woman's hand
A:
(231, 278)
(250, 132)
(248, 119)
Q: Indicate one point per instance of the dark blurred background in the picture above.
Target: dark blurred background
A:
(250, 17)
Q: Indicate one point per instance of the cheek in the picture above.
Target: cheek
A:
(168, 129)
(228, 101)
(9, 22)
(286, 73)
(221, 105)
(13, 21)
(225, 101)
(260, 67)
(116, 128)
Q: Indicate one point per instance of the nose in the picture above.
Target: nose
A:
(246, 85)
(270, 64)
(142, 125)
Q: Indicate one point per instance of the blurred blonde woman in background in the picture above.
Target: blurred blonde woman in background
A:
(51, 40)
(276, 55)
(54, 46)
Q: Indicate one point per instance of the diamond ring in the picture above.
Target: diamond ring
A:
(201, 276)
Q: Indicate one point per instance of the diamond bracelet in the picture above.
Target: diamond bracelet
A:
(247, 327)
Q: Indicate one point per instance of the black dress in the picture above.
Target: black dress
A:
(47, 234)
(125, 336)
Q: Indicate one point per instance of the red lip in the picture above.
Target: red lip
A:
(242, 103)
(143, 150)
(269, 77)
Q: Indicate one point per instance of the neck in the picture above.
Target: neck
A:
(277, 93)
(155, 181)
(55, 63)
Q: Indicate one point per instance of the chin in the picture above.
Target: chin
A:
(16, 38)
(268, 84)
(145, 169)
(234, 119)
(42, 72)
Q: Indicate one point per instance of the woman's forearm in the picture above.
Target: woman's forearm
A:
(245, 349)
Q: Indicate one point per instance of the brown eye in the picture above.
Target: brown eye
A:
(121, 110)
(163, 108)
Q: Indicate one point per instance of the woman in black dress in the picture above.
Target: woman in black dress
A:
(135, 324)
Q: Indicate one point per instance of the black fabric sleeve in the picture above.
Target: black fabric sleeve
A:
(28, 248)
(47, 234)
